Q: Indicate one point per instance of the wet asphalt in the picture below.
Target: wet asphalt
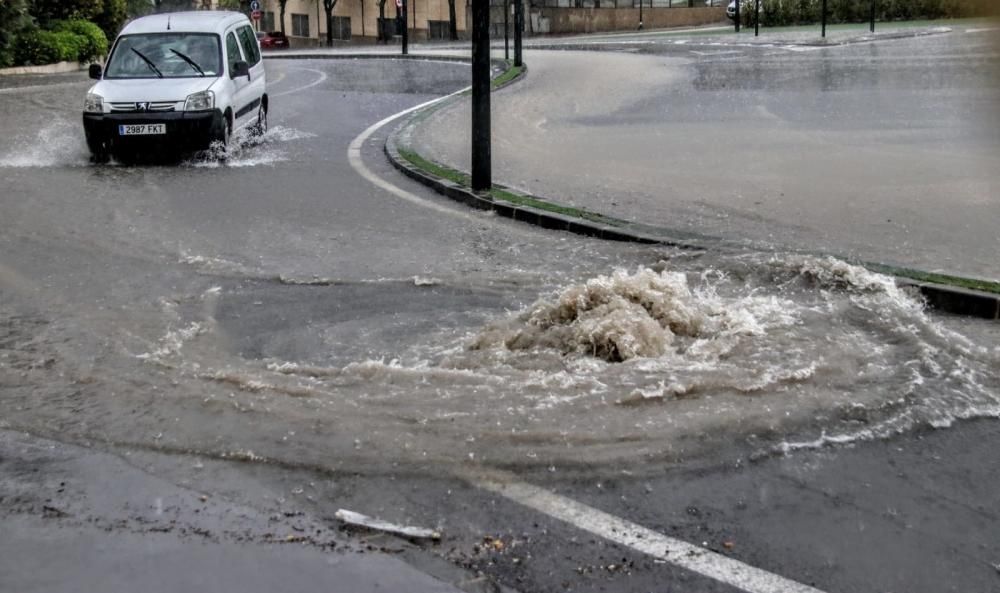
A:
(99, 262)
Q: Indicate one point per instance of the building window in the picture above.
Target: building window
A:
(342, 27)
(268, 22)
(300, 25)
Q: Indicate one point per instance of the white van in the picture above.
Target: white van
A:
(176, 81)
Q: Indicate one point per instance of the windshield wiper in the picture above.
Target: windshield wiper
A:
(148, 62)
(190, 62)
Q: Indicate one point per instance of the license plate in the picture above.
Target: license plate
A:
(142, 129)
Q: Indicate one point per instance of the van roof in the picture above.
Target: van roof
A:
(201, 21)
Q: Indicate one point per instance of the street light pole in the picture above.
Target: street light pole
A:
(506, 29)
(518, 32)
(481, 164)
(738, 2)
(823, 18)
(873, 17)
(640, 14)
(756, 19)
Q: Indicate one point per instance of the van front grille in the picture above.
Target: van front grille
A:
(144, 107)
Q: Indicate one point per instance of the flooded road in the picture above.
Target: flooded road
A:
(275, 308)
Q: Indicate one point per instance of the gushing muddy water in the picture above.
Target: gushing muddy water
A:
(761, 353)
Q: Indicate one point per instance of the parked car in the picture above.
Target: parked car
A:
(176, 81)
(272, 40)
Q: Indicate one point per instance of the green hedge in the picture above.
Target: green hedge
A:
(779, 13)
(96, 41)
(68, 41)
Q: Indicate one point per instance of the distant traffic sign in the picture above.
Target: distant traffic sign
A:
(255, 6)
(255, 15)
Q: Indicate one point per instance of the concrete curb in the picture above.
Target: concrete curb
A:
(57, 68)
(949, 299)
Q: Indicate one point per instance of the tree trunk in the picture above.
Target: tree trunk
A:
(328, 6)
(452, 21)
(281, 6)
(381, 19)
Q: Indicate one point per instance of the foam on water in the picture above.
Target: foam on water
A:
(249, 150)
(779, 346)
(763, 353)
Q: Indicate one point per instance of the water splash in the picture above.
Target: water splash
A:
(249, 150)
(58, 143)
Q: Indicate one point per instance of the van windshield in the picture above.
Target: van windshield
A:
(166, 55)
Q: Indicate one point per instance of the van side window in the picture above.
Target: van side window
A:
(250, 48)
(232, 51)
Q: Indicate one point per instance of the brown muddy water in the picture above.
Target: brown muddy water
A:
(631, 368)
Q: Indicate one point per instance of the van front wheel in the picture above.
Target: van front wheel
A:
(223, 132)
(260, 128)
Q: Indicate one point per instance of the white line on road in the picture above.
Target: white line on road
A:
(320, 80)
(716, 53)
(354, 157)
(690, 557)
(983, 30)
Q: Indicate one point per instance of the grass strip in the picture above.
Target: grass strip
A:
(509, 74)
(498, 193)
(934, 278)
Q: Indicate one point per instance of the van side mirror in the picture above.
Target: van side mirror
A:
(240, 69)
(95, 71)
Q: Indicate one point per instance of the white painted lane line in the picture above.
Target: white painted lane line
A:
(320, 80)
(716, 53)
(690, 557)
(983, 30)
(354, 158)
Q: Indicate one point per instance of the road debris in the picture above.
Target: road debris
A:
(359, 520)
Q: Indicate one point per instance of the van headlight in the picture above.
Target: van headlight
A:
(93, 104)
(202, 101)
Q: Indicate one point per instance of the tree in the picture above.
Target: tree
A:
(111, 18)
(14, 19)
(137, 8)
(452, 21)
(328, 7)
(380, 34)
(46, 11)
(281, 10)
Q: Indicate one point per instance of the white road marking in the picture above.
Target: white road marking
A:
(356, 162)
(716, 53)
(320, 80)
(983, 30)
(690, 557)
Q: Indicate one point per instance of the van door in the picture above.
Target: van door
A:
(240, 84)
(251, 53)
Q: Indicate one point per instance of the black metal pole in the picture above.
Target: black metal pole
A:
(506, 30)
(406, 29)
(823, 18)
(873, 17)
(756, 19)
(481, 164)
(738, 2)
(518, 32)
(640, 15)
